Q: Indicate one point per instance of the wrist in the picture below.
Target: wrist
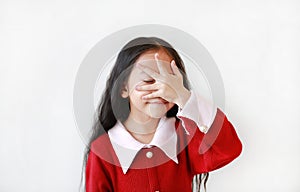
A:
(183, 98)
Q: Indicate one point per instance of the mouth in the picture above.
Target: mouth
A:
(159, 101)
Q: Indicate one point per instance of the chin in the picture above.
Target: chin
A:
(157, 111)
(157, 115)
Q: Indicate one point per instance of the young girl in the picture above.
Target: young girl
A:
(152, 132)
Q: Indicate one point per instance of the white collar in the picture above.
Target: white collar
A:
(126, 147)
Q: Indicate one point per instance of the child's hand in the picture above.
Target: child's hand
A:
(167, 86)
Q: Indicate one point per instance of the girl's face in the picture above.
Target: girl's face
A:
(143, 110)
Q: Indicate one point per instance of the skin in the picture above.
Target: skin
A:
(154, 86)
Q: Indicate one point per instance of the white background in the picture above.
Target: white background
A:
(42, 43)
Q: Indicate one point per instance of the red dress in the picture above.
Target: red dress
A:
(199, 153)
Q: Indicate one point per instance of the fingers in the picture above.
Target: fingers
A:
(152, 95)
(148, 71)
(161, 68)
(152, 87)
(175, 68)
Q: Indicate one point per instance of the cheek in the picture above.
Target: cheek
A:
(136, 96)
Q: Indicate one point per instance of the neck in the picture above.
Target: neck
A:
(142, 131)
(141, 126)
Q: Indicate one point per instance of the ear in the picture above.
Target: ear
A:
(124, 92)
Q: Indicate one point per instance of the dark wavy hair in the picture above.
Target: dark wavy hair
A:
(113, 107)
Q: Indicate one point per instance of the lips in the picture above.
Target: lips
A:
(158, 101)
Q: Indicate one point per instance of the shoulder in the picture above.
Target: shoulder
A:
(101, 140)
(102, 148)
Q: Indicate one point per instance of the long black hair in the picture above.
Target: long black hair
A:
(114, 107)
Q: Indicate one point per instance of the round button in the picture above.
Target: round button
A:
(203, 128)
(149, 154)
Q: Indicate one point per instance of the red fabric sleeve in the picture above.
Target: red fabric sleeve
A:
(213, 150)
(97, 177)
